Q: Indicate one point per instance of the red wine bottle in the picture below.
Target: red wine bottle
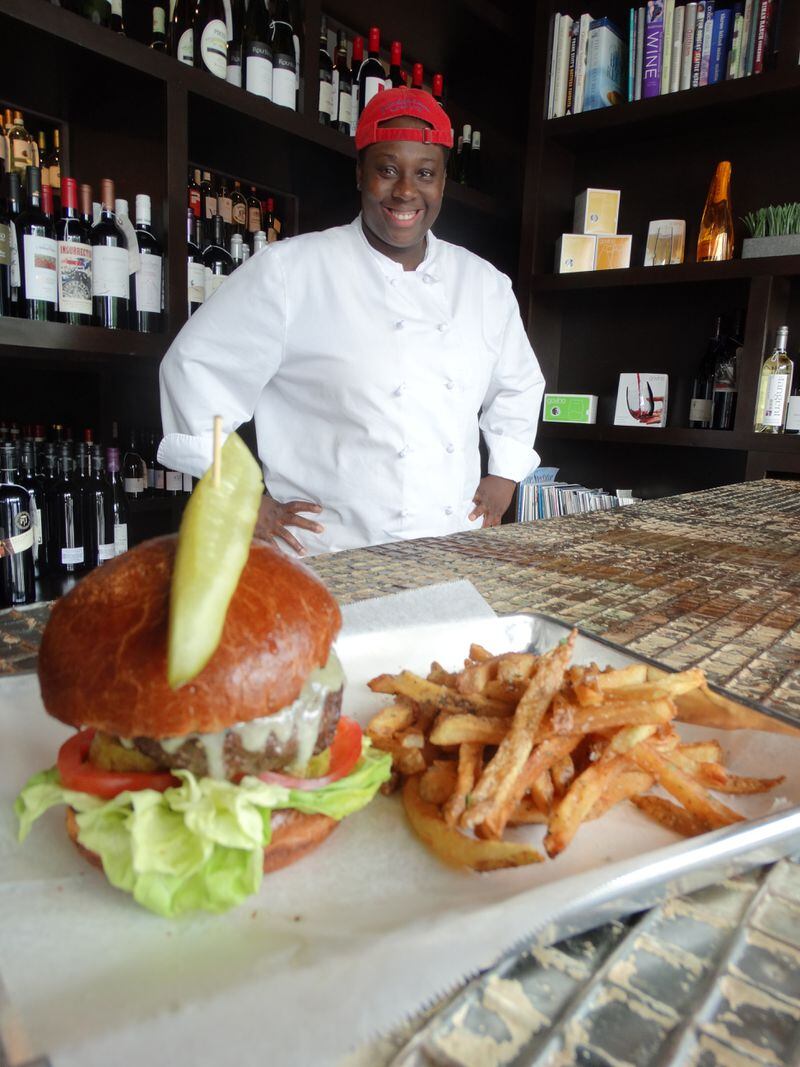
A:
(326, 102)
(119, 506)
(74, 260)
(17, 571)
(66, 545)
(216, 258)
(396, 75)
(343, 105)
(6, 226)
(149, 285)
(438, 89)
(701, 405)
(357, 60)
(38, 256)
(110, 265)
(371, 76)
(417, 76)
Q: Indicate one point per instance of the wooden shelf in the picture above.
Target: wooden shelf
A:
(678, 274)
(674, 436)
(81, 342)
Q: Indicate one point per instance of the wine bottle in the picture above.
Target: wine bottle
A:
(119, 506)
(257, 50)
(211, 38)
(181, 32)
(158, 36)
(253, 212)
(14, 270)
(110, 286)
(216, 258)
(716, 226)
(134, 469)
(74, 261)
(193, 192)
(259, 241)
(792, 424)
(417, 76)
(97, 11)
(233, 74)
(54, 163)
(774, 387)
(208, 199)
(225, 206)
(86, 205)
(98, 512)
(196, 270)
(284, 58)
(21, 147)
(237, 251)
(371, 76)
(271, 224)
(465, 154)
(357, 61)
(6, 226)
(238, 209)
(33, 483)
(44, 157)
(726, 374)
(700, 406)
(438, 89)
(117, 23)
(474, 170)
(38, 256)
(17, 572)
(396, 75)
(149, 286)
(343, 87)
(325, 76)
(65, 540)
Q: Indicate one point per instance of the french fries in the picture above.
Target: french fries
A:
(519, 739)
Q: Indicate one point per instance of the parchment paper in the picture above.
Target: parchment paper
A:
(331, 951)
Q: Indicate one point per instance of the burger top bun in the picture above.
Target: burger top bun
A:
(103, 658)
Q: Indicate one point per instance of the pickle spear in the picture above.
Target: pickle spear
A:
(213, 546)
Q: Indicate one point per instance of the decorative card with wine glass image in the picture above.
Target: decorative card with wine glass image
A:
(642, 399)
(665, 242)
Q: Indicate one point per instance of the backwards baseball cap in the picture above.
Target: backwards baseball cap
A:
(403, 103)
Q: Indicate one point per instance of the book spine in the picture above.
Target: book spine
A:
(632, 52)
(764, 19)
(736, 39)
(653, 54)
(677, 50)
(751, 30)
(573, 49)
(562, 63)
(580, 64)
(666, 50)
(689, 22)
(552, 55)
(697, 48)
(720, 47)
(640, 24)
(708, 32)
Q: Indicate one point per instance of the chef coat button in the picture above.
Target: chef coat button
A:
(450, 383)
(428, 279)
(400, 389)
(443, 327)
(403, 453)
(448, 510)
(451, 448)
(405, 513)
(399, 324)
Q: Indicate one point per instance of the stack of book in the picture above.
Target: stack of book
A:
(587, 64)
(678, 46)
(540, 496)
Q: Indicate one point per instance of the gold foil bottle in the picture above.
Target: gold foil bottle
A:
(716, 226)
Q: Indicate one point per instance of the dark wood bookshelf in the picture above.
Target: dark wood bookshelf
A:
(588, 328)
(92, 341)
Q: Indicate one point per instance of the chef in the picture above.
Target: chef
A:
(372, 356)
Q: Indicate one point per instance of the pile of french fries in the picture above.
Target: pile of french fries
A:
(519, 738)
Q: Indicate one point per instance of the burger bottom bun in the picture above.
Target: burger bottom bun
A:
(294, 835)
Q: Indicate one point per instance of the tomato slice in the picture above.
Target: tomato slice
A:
(345, 754)
(78, 773)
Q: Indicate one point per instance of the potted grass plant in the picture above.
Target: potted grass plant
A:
(773, 231)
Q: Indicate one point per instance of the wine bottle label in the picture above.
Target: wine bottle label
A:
(700, 411)
(21, 542)
(159, 20)
(158, 479)
(36, 517)
(233, 74)
(194, 202)
(116, 7)
(187, 482)
(345, 106)
(151, 477)
(253, 220)
(793, 415)
(21, 154)
(258, 70)
(174, 481)
(133, 486)
(72, 555)
(213, 282)
(5, 245)
(16, 279)
(120, 538)
(74, 278)
(109, 271)
(55, 177)
(214, 47)
(105, 552)
(775, 399)
(148, 283)
(284, 88)
(325, 95)
(41, 268)
(186, 48)
(197, 283)
(372, 86)
(225, 208)
(239, 213)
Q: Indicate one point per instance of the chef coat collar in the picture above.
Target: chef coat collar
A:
(390, 268)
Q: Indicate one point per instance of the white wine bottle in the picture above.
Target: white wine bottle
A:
(774, 387)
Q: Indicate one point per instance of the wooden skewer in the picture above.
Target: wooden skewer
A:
(217, 470)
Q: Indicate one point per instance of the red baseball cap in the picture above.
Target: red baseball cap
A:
(403, 103)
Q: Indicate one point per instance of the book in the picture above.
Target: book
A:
(762, 37)
(736, 44)
(653, 49)
(642, 400)
(634, 17)
(705, 53)
(580, 62)
(720, 46)
(697, 48)
(750, 34)
(689, 22)
(562, 65)
(677, 49)
(573, 45)
(666, 53)
(605, 58)
(552, 55)
(637, 74)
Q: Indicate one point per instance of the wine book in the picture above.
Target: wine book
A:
(653, 51)
(605, 65)
(642, 399)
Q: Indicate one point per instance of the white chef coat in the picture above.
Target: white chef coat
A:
(365, 381)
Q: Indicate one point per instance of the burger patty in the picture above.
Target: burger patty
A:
(276, 754)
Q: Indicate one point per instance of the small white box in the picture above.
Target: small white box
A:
(596, 211)
(642, 400)
(613, 251)
(575, 252)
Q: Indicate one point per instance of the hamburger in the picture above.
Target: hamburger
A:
(186, 796)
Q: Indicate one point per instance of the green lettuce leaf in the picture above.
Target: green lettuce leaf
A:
(198, 845)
